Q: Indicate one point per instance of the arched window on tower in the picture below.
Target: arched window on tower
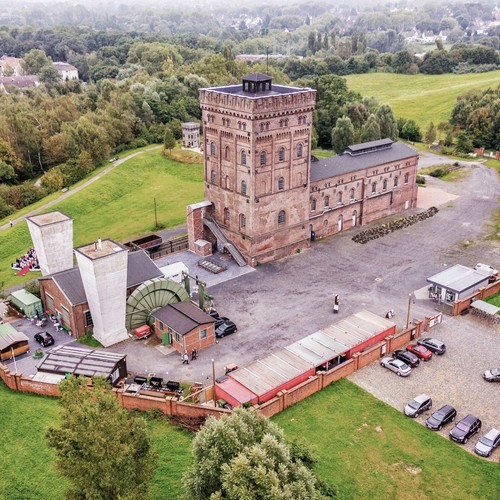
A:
(299, 151)
(226, 215)
(226, 153)
(243, 157)
(244, 126)
(267, 126)
(263, 158)
(327, 201)
(374, 187)
(407, 177)
(396, 180)
(384, 185)
(262, 127)
(243, 221)
(313, 204)
(282, 154)
(212, 148)
(339, 197)
(243, 187)
(281, 217)
(281, 184)
(213, 177)
(351, 194)
(226, 182)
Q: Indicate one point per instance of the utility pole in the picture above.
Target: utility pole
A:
(213, 380)
(156, 216)
(408, 315)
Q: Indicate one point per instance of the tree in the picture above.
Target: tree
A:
(464, 144)
(430, 134)
(102, 449)
(33, 61)
(49, 75)
(387, 122)
(245, 455)
(411, 131)
(169, 139)
(370, 130)
(342, 135)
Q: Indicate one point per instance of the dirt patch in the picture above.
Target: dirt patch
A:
(433, 197)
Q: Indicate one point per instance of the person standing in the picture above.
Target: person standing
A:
(185, 358)
(194, 353)
(11, 223)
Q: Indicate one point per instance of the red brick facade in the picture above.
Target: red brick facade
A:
(200, 337)
(258, 175)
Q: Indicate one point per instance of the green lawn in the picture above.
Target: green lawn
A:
(118, 206)
(402, 460)
(423, 98)
(494, 299)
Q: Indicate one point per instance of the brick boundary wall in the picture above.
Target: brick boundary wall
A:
(482, 293)
(171, 406)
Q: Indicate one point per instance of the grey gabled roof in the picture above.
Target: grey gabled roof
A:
(458, 278)
(140, 268)
(346, 163)
(182, 317)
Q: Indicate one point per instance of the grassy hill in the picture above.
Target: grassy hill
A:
(423, 98)
(117, 206)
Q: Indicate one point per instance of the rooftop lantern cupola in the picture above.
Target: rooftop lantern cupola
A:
(256, 83)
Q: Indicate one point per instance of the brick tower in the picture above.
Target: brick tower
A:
(257, 143)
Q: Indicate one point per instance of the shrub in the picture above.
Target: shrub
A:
(53, 180)
(438, 172)
(23, 195)
(420, 180)
(33, 287)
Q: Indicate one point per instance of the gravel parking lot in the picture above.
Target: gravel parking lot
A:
(454, 378)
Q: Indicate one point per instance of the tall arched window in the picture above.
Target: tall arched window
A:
(226, 153)
(226, 215)
(281, 183)
(396, 180)
(243, 221)
(243, 187)
(313, 204)
(212, 148)
(339, 197)
(384, 185)
(267, 126)
(281, 123)
(226, 182)
(351, 194)
(243, 157)
(262, 127)
(407, 177)
(239, 125)
(282, 154)
(299, 151)
(327, 201)
(263, 158)
(286, 122)
(244, 126)
(281, 217)
(213, 177)
(374, 187)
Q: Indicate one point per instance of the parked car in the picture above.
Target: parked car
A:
(462, 431)
(213, 313)
(492, 375)
(44, 338)
(419, 351)
(396, 365)
(488, 443)
(434, 345)
(225, 329)
(418, 405)
(407, 357)
(219, 321)
(443, 416)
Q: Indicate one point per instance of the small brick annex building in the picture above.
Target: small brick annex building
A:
(266, 196)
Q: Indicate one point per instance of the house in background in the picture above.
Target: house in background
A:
(18, 82)
(10, 66)
(184, 326)
(66, 70)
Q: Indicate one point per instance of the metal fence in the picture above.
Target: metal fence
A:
(170, 246)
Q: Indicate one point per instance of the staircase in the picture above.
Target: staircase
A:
(222, 240)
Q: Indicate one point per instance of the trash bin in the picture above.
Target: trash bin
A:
(313, 235)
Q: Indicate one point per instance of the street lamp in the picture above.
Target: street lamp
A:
(213, 381)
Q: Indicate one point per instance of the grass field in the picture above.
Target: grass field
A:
(494, 299)
(118, 206)
(423, 98)
(364, 447)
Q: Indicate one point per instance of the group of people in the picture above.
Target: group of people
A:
(28, 259)
(185, 356)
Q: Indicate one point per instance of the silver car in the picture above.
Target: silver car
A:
(488, 443)
(400, 368)
(418, 405)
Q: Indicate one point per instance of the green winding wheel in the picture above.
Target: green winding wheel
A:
(149, 297)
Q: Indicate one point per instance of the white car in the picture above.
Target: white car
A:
(485, 269)
(488, 443)
(400, 368)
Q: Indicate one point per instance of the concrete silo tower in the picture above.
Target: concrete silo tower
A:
(103, 267)
(52, 236)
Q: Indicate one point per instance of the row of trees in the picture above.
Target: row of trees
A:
(105, 452)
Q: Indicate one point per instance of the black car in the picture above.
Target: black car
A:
(220, 321)
(225, 329)
(44, 338)
(407, 357)
(462, 431)
(443, 416)
(434, 345)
